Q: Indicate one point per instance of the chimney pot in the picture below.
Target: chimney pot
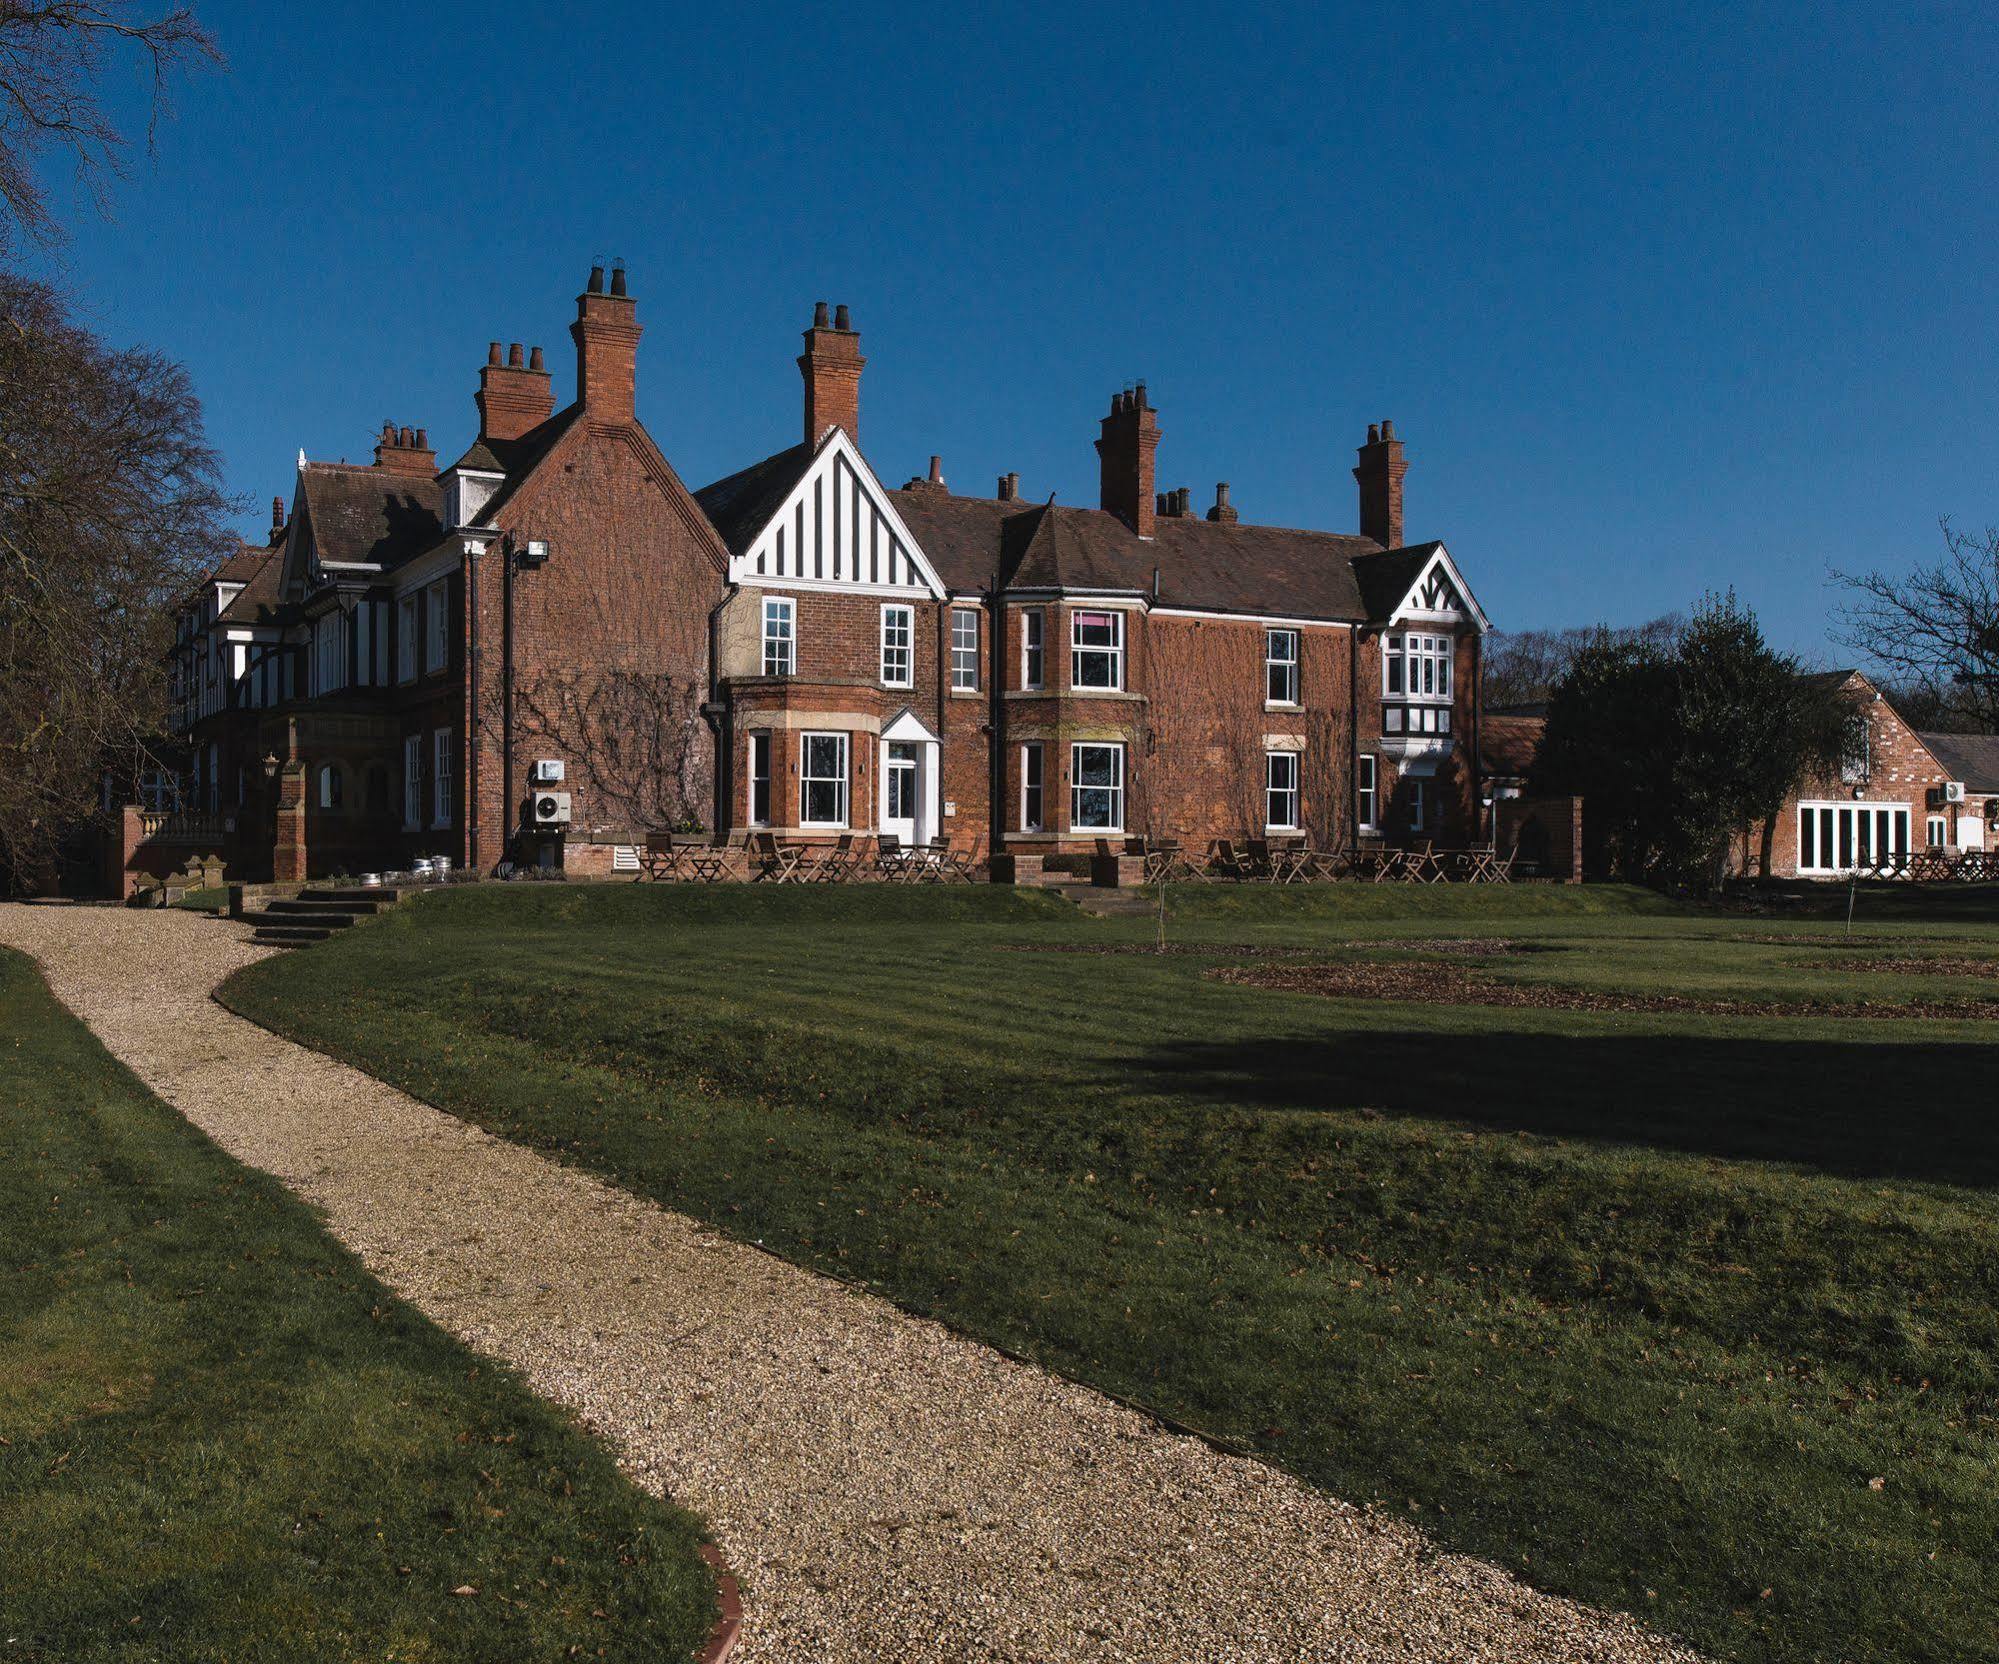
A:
(493, 353)
(408, 439)
(617, 277)
(936, 470)
(596, 283)
(831, 365)
(1125, 462)
(514, 356)
(1223, 513)
(840, 317)
(534, 359)
(423, 439)
(1379, 475)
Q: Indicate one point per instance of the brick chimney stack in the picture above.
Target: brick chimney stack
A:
(606, 333)
(1223, 513)
(1124, 457)
(277, 518)
(513, 396)
(405, 451)
(831, 365)
(1380, 472)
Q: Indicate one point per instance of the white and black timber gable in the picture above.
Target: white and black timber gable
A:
(817, 518)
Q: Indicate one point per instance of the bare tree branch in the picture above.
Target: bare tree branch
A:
(53, 53)
(1934, 632)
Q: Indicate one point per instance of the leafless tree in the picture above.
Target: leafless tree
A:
(1523, 666)
(52, 55)
(110, 508)
(1934, 632)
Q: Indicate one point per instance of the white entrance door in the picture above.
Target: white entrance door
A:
(908, 781)
(900, 768)
(1970, 833)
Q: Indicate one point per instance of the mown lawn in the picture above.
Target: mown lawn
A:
(221, 1440)
(1693, 1316)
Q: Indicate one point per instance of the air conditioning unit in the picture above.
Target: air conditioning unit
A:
(548, 772)
(551, 809)
(1953, 791)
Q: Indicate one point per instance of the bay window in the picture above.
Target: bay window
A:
(1031, 622)
(1096, 788)
(1416, 667)
(760, 778)
(406, 639)
(1030, 787)
(822, 779)
(1096, 650)
(1364, 791)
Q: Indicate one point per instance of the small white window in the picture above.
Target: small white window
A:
(964, 650)
(437, 624)
(1096, 788)
(406, 639)
(1935, 832)
(1419, 805)
(1280, 791)
(1365, 791)
(1280, 667)
(1031, 671)
(780, 636)
(1096, 650)
(760, 778)
(330, 786)
(412, 781)
(440, 777)
(822, 779)
(1030, 787)
(898, 637)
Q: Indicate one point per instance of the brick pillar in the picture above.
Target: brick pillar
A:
(288, 850)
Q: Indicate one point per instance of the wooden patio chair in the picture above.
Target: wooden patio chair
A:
(893, 859)
(661, 859)
(961, 866)
(776, 862)
(839, 864)
(1226, 861)
(1259, 860)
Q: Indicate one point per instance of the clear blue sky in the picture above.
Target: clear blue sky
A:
(1661, 298)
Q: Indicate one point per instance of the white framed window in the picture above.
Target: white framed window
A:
(1366, 801)
(1280, 667)
(822, 779)
(1416, 666)
(330, 786)
(780, 636)
(1280, 791)
(1851, 837)
(1096, 650)
(364, 645)
(898, 649)
(412, 781)
(760, 778)
(440, 777)
(436, 626)
(1936, 832)
(1031, 810)
(1096, 788)
(327, 655)
(1032, 622)
(406, 639)
(1419, 804)
(964, 650)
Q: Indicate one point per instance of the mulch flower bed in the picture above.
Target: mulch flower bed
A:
(1466, 947)
(1453, 985)
(1910, 964)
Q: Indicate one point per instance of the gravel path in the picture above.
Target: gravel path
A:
(886, 1489)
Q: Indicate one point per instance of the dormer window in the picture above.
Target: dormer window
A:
(467, 493)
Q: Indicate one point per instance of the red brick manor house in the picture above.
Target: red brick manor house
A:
(550, 646)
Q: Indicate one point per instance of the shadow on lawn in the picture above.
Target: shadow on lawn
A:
(1852, 1109)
